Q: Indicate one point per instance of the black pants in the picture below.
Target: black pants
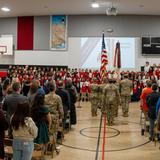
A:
(2, 154)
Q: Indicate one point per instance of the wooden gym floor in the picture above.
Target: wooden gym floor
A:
(123, 140)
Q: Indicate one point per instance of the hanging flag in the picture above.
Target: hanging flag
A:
(117, 56)
(25, 33)
(104, 59)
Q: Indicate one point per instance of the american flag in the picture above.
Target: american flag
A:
(104, 59)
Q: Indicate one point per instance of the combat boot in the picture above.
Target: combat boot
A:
(125, 115)
(111, 124)
(116, 115)
(94, 114)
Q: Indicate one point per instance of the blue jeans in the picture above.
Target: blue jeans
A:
(22, 149)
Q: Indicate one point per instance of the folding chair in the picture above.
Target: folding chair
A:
(144, 124)
(38, 152)
(51, 147)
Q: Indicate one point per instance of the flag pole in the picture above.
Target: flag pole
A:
(117, 60)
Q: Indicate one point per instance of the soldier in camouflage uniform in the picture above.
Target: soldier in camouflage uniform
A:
(117, 102)
(101, 88)
(125, 92)
(94, 97)
(110, 98)
(56, 109)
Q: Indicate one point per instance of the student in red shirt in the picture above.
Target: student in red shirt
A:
(147, 90)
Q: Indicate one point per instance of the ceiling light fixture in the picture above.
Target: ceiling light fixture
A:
(5, 9)
(110, 30)
(95, 4)
(111, 11)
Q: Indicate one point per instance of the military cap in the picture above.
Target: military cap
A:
(125, 75)
(105, 79)
(112, 80)
(94, 79)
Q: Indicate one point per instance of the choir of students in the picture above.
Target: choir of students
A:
(81, 78)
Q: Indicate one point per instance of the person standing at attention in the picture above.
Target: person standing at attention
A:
(126, 88)
(147, 90)
(151, 100)
(24, 132)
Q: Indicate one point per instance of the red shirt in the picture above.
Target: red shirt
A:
(84, 88)
(143, 97)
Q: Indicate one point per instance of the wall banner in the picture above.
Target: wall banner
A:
(58, 32)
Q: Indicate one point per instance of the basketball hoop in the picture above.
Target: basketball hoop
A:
(3, 49)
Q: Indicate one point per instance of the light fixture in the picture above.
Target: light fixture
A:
(111, 11)
(110, 30)
(5, 9)
(95, 4)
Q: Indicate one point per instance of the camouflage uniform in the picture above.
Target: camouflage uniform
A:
(94, 98)
(101, 88)
(117, 102)
(125, 91)
(56, 109)
(110, 98)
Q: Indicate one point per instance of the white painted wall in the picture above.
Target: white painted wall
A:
(70, 58)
